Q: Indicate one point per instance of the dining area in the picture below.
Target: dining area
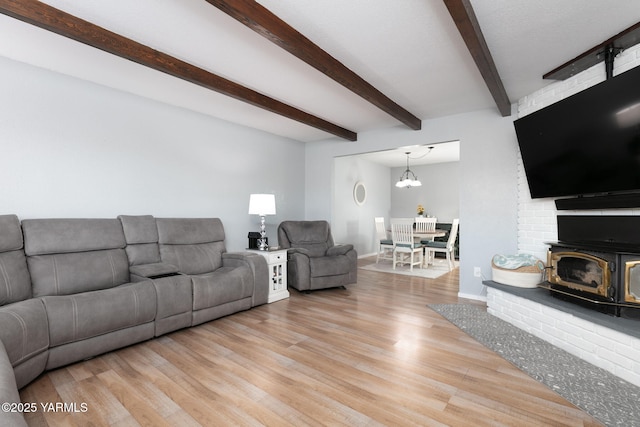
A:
(365, 188)
(414, 242)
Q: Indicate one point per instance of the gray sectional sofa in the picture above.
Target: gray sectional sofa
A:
(71, 289)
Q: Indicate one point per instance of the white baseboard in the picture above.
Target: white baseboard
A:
(367, 255)
(473, 297)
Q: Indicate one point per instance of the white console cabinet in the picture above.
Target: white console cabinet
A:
(277, 263)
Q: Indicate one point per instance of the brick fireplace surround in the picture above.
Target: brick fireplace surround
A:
(611, 343)
(610, 346)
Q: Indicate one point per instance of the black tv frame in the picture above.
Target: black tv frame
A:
(607, 195)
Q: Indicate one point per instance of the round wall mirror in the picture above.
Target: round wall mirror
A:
(359, 193)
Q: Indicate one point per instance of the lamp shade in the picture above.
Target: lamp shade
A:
(262, 204)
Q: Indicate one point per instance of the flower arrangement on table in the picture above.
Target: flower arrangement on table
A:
(420, 210)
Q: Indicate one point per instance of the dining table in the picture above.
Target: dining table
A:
(428, 235)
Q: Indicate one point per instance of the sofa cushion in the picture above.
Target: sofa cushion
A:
(15, 282)
(54, 236)
(188, 231)
(175, 295)
(67, 256)
(224, 285)
(194, 245)
(339, 250)
(259, 273)
(24, 330)
(141, 235)
(70, 273)
(11, 233)
(89, 314)
(143, 253)
(316, 249)
(139, 229)
(314, 236)
(194, 259)
(329, 266)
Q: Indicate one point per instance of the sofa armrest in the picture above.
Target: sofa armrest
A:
(299, 269)
(9, 392)
(259, 268)
(152, 271)
(339, 250)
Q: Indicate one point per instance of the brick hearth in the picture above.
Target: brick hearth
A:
(611, 343)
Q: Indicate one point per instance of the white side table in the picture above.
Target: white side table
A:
(277, 263)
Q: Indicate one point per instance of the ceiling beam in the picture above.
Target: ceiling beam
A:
(268, 25)
(621, 41)
(52, 19)
(465, 19)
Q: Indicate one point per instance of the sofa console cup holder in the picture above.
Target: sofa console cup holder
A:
(161, 276)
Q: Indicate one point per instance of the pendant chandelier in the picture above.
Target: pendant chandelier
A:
(408, 179)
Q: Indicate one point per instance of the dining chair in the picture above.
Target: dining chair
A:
(447, 247)
(385, 244)
(402, 236)
(425, 225)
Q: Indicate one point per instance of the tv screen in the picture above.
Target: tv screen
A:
(588, 143)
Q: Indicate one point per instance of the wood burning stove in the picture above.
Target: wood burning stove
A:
(584, 276)
(631, 279)
(580, 271)
(601, 273)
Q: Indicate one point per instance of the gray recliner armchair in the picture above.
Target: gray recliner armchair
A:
(314, 262)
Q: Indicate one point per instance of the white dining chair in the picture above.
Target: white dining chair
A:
(425, 225)
(385, 244)
(402, 236)
(447, 247)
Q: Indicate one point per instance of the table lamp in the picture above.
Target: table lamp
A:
(262, 204)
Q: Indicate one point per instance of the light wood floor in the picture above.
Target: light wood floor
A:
(373, 354)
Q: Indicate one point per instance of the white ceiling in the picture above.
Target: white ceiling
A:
(408, 49)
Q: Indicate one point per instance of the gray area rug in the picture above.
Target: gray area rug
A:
(606, 397)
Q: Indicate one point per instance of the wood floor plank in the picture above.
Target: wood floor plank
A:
(269, 374)
(187, 394)
(373, 354)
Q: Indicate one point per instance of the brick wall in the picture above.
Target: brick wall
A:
(611, 350)
(537, 218)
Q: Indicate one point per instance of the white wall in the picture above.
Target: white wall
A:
(75, 149)
(69, 148)
(488, 181)
(352, 223)
(439, 193)
(537, 222)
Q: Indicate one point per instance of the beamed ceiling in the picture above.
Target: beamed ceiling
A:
(314, 69)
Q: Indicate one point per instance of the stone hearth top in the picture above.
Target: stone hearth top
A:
(542, 296)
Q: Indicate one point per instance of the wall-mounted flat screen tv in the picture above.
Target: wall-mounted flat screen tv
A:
(586, 144)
